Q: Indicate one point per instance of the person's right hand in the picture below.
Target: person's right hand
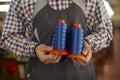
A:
(42, 54)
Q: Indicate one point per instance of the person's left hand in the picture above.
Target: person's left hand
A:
(86, 52)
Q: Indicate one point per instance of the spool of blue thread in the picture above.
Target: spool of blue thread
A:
(54, 38)
(76, 42)
(63, 35)
(59, 36)
(80, 36)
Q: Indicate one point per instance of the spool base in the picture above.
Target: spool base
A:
(62, 52)
(76, 56)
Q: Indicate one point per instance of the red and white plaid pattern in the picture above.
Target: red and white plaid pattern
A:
(60, 5)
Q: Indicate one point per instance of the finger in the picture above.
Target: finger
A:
(47, 62)
(85, 48)
(52, 58)
(43, 48)
(80, 61)
(88, 57)
(83, 60)
(76, 63)
(48, 48)
(47, 58)
(58, 59)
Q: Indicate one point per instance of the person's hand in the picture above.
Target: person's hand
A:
(42, 54)
(86, 52)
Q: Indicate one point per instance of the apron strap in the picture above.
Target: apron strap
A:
(39, 4)
(81, 3)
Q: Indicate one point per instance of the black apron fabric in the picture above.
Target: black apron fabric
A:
(44, 22)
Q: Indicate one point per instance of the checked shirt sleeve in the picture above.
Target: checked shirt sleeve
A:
(100, 26)
(13, 38)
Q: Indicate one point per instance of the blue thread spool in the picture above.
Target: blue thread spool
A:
(77, 42)
(74, 41)
(59, 38)
(63, 35)
(80, 36)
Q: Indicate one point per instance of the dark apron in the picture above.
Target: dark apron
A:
(44, 22)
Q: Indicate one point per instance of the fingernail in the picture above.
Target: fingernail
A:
(85, 53)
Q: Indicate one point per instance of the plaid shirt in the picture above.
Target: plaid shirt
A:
(60, 4)
(20, 16)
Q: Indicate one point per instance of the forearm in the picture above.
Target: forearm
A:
(18, 45)
(99, 39)
(13, 36)
(100, 27)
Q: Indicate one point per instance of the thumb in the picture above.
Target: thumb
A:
(85, 48)
(84, 51)
(49, 48)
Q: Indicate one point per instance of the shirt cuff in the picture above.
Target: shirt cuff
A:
(90, 40)
(32, 47)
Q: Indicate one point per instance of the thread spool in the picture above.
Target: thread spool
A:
(76, 42)
(59, 38)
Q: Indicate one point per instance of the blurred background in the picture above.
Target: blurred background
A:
(106, 62)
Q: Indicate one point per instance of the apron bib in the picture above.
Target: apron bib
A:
(43, 24)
